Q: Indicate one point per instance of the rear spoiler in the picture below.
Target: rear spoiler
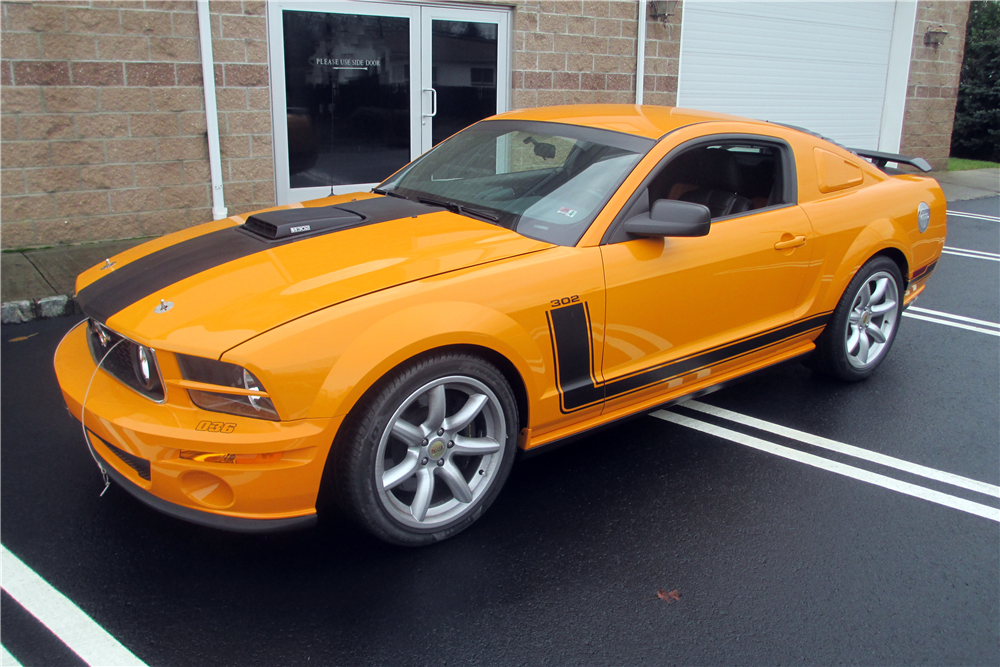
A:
(879, 159)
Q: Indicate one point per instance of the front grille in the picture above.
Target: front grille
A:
(141, 466)
(120, 361)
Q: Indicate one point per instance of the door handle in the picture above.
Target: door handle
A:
(790, 243)
(434, 102)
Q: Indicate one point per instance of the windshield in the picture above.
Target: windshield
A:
(547, 181)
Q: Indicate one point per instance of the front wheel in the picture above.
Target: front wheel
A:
(864, 324)
(428, 452)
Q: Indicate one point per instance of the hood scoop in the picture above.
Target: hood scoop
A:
(298, 222)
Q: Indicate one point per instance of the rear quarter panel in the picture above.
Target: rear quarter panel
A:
(854, 224)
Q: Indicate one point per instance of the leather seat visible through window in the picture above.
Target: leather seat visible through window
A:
(717, 174)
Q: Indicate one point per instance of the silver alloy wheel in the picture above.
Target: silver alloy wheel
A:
(440, 452)
(872, 320)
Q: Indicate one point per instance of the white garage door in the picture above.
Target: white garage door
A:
(831, 67)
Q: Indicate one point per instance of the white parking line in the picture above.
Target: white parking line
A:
(56, 612)
(961, 318)
(850, 450)
(7, 660)
(975, 216)
(906, 488)
(982, 253)
(948, 319)
(946, 251)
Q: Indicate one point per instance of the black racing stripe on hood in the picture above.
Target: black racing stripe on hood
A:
(147, 275)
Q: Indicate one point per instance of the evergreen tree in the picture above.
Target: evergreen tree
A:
(977, 114)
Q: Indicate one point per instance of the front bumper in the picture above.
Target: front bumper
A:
(202, 518)
(140, 442)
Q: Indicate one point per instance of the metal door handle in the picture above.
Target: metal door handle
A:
(790, 243)
(434, 102)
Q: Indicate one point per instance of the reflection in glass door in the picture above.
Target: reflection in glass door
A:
(464, 63)
(358, 89)
(347, 86)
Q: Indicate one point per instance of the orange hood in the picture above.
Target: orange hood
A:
(226, 303)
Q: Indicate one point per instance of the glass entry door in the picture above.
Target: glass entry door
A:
(464, 60)
(358, 89)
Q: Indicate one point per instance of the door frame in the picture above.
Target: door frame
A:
(431, 13)
(420, 16)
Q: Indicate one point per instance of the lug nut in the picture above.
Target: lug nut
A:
(440, 462)
(440, 431)
(423, 461)
(451, 444)
(424, 442)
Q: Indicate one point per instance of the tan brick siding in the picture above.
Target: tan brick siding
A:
(663, 53)
(584, 52)
(932, 89)
(103, 121)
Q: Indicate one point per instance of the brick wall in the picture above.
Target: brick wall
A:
(933, 84)
(584, 52)
(103, 122)
(663, 53)
(574, 52)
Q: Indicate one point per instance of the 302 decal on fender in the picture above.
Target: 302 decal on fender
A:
(565, 301)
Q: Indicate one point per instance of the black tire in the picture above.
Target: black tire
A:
(378, 437)
(834, 348)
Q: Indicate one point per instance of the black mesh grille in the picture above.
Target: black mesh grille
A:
(119, 362)
(141, 466)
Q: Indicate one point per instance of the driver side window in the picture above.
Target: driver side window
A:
(730, 178)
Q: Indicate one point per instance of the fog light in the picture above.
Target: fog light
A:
(206, 489)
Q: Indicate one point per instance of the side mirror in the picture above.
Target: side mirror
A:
(670, 217)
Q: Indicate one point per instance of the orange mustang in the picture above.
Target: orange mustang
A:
(540, 273)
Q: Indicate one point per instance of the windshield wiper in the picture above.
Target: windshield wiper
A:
(455, 207)
(391, 193)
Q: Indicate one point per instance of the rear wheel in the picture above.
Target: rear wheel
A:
(427, 453)
(864, 324)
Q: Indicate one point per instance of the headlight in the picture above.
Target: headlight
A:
(131, 363)
(225, 375)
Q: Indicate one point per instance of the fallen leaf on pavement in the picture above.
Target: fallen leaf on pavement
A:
(20, 338)
(668, 597)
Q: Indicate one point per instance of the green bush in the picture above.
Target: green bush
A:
(976, 134)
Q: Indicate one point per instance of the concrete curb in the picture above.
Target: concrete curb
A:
(17, 312)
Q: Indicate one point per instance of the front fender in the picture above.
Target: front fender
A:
(404, 334)
(323, 362)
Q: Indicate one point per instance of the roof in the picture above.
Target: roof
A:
(642, 120)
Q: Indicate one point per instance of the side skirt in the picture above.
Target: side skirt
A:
(613, 421)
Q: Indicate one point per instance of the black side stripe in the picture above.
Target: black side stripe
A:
(925, 270)
(569, 331)
(150, 274)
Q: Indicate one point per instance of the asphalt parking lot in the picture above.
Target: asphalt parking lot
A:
(799, 521)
